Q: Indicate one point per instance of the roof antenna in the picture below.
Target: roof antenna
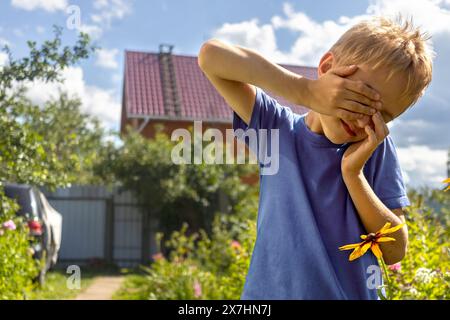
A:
(165, 48)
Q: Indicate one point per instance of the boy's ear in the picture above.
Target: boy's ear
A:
(326, 63)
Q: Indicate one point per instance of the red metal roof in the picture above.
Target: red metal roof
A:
(143, 94)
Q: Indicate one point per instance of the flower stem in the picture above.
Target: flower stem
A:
(389, 291)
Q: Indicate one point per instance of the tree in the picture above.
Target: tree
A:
(72, 137)
(24, 152)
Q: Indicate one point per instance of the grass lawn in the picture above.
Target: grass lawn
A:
(55, 287)
(130, 288)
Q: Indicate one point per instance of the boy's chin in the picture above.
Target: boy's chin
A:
(338, 139)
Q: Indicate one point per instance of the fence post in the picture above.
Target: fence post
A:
(145, 246)
(109, 230)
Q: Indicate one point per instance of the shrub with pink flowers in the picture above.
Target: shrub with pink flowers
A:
(424, 273)
(201, 266)
(17, 266)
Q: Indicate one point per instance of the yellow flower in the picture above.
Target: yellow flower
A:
(447, 181)
(371, 241)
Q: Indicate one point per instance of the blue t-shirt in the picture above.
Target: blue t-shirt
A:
(305, 212)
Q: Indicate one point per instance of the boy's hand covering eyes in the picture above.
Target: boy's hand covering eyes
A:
(332, 94)
(357, 154)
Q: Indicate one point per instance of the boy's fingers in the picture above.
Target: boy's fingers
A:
(381, 128)
(348, 115)
(354, 106)
(370, 104)
(364, 121)
(371, 134)
(361, 88)
(345, 71)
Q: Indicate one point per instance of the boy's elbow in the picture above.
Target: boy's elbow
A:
(206, 52)
(394, 258)
(397, 255)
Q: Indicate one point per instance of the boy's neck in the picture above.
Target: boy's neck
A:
(313, 122)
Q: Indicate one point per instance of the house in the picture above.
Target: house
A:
(164, 88)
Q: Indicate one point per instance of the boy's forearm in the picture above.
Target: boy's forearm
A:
(374, 214)
(245, 65)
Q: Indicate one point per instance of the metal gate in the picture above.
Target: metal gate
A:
(103, 225)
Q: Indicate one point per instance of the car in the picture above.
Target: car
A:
(44, 222)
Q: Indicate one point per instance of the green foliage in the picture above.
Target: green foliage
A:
(425, 270)
(212, 263)
(17, 267)
(28, 152)
(44, 63)
(70, 139)
(55, 286)
(200, 266)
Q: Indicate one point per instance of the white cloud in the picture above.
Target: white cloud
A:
(313, 41)
(427, 122)
(109, 10)
(250, 34)
(432, 15)
(106, 11)
(94, 31)
(40, 29)
(107, 58)
(47, 5)
(423, 166)
(104, 104)
(315, 38)
(117, 77)
(99, 4)
(4, 42)
(3, 56)
(3, 59)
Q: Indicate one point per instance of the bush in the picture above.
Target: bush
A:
(201, 266)
(17, 266)
(425, 270)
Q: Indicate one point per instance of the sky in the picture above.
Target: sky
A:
(296, 32)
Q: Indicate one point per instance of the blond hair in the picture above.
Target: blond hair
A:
(396, 45)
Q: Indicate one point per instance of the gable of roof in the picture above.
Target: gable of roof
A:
(145, 89)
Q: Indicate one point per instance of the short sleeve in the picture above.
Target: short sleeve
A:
(269, 121)
(388, 182)
(267, 114)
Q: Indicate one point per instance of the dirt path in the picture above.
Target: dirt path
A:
(102, 288)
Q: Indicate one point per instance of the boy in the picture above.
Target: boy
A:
(339, 176)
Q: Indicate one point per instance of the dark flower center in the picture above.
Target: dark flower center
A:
(371, 237)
